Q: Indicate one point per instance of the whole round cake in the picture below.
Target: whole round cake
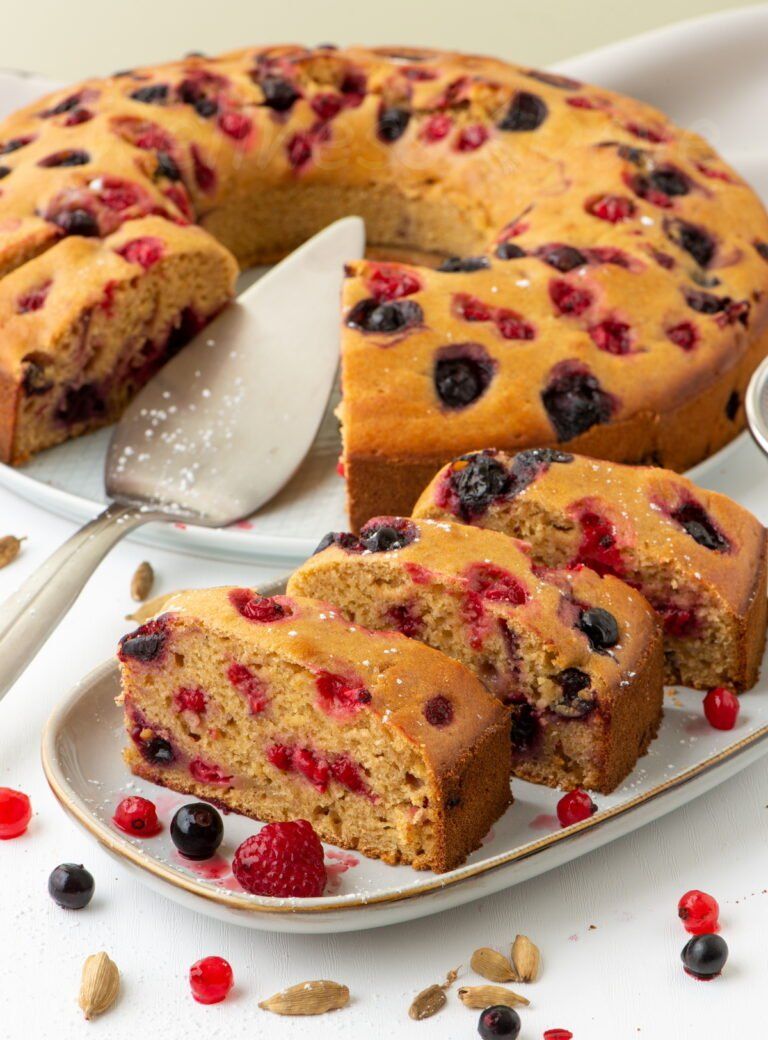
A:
(605, 287)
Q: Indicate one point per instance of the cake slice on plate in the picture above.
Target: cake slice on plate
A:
(577, 657)
(280, 708)
(698, 557)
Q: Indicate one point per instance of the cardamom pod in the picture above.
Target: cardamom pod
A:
(9, 549)
(99, 985)
(308, 998)
(432, 999)
(492, 965)
(526, 958)
(485, 996)
(142, 582)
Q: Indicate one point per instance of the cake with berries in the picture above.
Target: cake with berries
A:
(74, 349)
(577, 657)
(607, 272)
(280, 708)
(698, 557)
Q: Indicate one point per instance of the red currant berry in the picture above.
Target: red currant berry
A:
(15, 813)
(557, 1034)
(721, 707)
(137, 816)
(699, 912)
(575, 807)
(210, 980)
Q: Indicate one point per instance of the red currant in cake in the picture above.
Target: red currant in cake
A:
(721, 708)
(283, 860)
(575, 807)
(137, 817)
(699, 912)
(15, 813)
(210, 980)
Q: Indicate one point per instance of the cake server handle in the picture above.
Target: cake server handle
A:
(30, 614)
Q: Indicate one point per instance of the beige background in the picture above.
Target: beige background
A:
(69, 38)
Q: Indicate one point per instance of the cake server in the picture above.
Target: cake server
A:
(215, 434)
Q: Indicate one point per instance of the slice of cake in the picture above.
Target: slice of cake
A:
(576, 656)
(84, 325)
(282, 709)
(698, 557)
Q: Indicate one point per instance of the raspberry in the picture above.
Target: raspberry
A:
(235, 125)
(283, 859)
(698, 912)
(575, 807)
(144, 251)
(387, 282)
(137, 816)
(15, 813)
(254, 607)
(683, 335)
(613, 208)
(721, 708)
(189, 698)
(210, 980)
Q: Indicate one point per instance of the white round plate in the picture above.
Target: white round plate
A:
(82, 761)
(670, 67)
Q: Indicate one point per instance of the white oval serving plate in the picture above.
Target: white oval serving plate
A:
(82, 762)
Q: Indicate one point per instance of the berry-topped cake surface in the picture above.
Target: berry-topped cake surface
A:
(605, 285)
(697, 556)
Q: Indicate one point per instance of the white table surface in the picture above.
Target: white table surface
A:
(606, 923)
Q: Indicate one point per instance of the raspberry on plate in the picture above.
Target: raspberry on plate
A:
(283, 859)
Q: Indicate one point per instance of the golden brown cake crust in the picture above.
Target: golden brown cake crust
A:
(699, 557)
(463, 756)
(430, 587)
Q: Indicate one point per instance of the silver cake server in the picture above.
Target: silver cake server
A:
(215, 434)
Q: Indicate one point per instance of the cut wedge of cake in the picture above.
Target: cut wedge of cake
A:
(577, 657)
(698, 557)
(282, 709)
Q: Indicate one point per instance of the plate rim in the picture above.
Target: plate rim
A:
(334, 905)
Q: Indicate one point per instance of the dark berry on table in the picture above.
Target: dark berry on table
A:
(699, 912)
(77, 222)
(572, 681)
(575, 807)
(525, 727)
(462, 374)
(15, 813)
(154, 94)
(386, 316)
(279, 94)
(438, 711)
(509, 251)
(499, 1022)
(68, 157)
(460, 264)
(562, 257)
(482, 480)
(696, 241)
(210, 980)
(145, 644)
(694, 520)
(392, 123)
(600, 627)
(197, 830)
(721, 708)
(71, 886)
(381, 536)
(574, 400)
(704, 956)
(283, 860)
(526, 112)
(137, 816)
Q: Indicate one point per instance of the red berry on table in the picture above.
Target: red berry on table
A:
(721, 707)
(575, 807)
(137, 816)
(557, 1034)
(210, 980)
(283, 859)
(699, 912)
(15, 813)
